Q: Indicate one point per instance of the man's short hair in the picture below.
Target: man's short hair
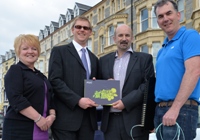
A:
(160, 3)
(83, 19)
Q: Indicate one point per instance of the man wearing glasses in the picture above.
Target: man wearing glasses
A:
(69, 65)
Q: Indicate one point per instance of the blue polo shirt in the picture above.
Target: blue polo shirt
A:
(170, 66)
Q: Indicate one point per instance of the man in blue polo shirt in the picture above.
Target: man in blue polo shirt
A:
(177, 88)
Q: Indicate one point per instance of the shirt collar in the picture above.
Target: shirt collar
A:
(130, 50)
(78, 47)
(177, 35)
(23, 66)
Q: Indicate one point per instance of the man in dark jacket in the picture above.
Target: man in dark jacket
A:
(131, 68)
(76, 115)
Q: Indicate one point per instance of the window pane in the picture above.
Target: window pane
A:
(181, 9)
(180, 5)
(144, 19)
(113, 7)
(154, 23)
(154, 19)
(118, 4)
(144, 14)
(111, 34)
(145, 49)
(155, 48)
(182, 16)
(89, 44)
(124, 1)
(119, 23)
(144, 25)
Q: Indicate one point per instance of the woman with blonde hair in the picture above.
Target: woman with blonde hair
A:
(31, 111)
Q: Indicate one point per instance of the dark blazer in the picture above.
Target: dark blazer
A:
(140, 64)
(67, 74)
(25, 87)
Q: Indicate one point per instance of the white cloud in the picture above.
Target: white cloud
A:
(30, 16)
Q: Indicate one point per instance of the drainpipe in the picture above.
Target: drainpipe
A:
(132, 19)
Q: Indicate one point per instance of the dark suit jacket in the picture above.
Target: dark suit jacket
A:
(139, 66)
(67, 74)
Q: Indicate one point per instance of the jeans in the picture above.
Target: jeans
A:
(187, 120)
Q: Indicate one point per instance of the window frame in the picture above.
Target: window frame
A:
(142, 46)
(154, 23)
(113, 7)
(89, 44)
(144, 21)
(181, 9)
(154, 51)
(118, 5)
(101, 43)
(110, 34)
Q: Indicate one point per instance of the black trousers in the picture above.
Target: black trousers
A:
(85, 132)
(116, 129)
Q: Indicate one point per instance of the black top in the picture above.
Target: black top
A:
(25, 87)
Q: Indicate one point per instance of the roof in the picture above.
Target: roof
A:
(62, 16)
(82, 6)
(42, 31)
(70, 11)
(46, 27)
(55, 24)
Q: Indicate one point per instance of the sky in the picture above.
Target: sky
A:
(30, 16)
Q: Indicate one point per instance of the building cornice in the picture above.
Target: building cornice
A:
(117, 16)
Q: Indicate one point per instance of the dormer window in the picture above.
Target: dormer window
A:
(68, 16)
(51, 29)
(46, 32)
(41, 35)
(76, 11)
(53, 26)
(1, 59)
(7, 56)
(60, 22)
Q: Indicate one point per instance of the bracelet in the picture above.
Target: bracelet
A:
(38, 119)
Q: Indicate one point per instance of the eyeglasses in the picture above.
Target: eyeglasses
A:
(80, 27)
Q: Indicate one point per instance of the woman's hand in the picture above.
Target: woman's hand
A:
(50, 119)
(42, 124)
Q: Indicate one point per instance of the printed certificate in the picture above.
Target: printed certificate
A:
(103, 92)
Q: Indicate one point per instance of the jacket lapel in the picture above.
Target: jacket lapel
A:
(132, 61)
(111, 64)
(73, 51)
(92, 62)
